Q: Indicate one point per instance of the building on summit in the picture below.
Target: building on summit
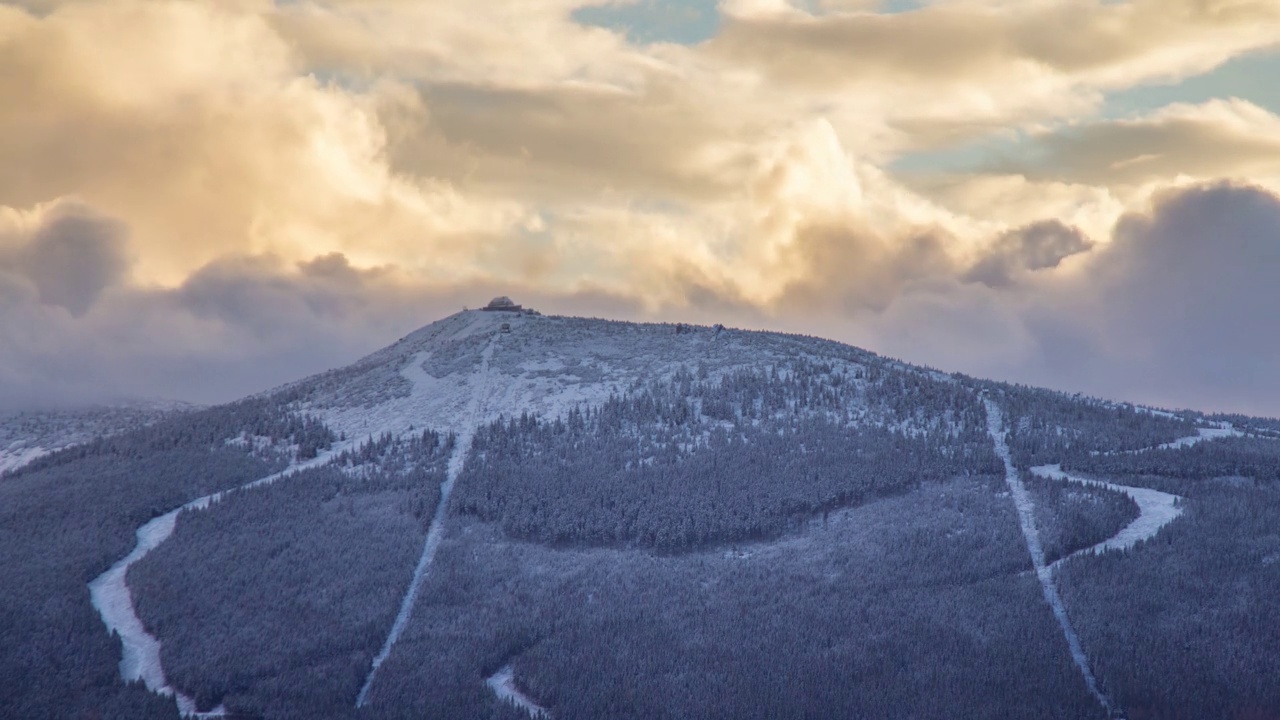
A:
(502, 302)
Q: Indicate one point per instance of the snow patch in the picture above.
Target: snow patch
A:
(503, 684)
(15, 457)
(1210, 433)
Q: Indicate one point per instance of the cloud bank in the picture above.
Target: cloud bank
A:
(231, 195)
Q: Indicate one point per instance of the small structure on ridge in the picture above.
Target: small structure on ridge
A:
(502, 302)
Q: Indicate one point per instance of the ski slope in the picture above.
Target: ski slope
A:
(110, 595)
(1202, 434)
(1026, 519)
(436, 531)
(1155, 510)
(503, 684)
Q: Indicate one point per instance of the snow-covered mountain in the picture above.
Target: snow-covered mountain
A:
(475, 366)
(506, 515)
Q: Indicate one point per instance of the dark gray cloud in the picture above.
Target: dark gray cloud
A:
(1190, 295)
(1037, 246)
(1178, 310)
(71, 257)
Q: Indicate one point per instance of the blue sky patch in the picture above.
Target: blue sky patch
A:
(686, 22)
(1255, 78)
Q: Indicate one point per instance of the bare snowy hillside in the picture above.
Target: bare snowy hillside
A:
(540, 365)
(509, 515)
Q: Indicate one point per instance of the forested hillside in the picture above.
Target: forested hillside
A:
(1050, 427)
(914, 606)
(29, 434)
(688, 461)
(330, 548)
(68, 516)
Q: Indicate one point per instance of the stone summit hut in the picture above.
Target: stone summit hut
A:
(502, 302)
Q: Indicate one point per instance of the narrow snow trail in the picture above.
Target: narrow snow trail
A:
(1201, 435)
(503, 684)
(109, 592)
(1026, 518)
(1155, 510)
(435, 533)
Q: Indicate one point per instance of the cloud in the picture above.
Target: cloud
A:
(567, 143)
(952, 71)
(198, 125)
(1219, 138)
(1039, 246)
(1176, 309)
(71, 255)
(264, 189)
(1107, 42)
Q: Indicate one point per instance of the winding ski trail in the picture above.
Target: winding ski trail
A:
(1155, 510)
(503, 684)
(1026, 519)
(110, 595)
(435, 533)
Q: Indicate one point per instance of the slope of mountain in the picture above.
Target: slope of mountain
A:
(27, 435)
(510, 515)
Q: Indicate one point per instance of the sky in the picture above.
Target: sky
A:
(200, 200)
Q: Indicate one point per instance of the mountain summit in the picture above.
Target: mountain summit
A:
(512, 515)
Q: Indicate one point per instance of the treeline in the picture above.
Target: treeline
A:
(57, 428)
(206, 429)
(1045, 426)
(688, 463)
(1268, 427)
(1255, 458)
(275, 599)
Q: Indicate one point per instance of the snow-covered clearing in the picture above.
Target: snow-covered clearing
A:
(110, 595)
(503, 684)
(436, 532)
(1026, 518)
(1155, 510)
(15, 457)
(544, 382)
